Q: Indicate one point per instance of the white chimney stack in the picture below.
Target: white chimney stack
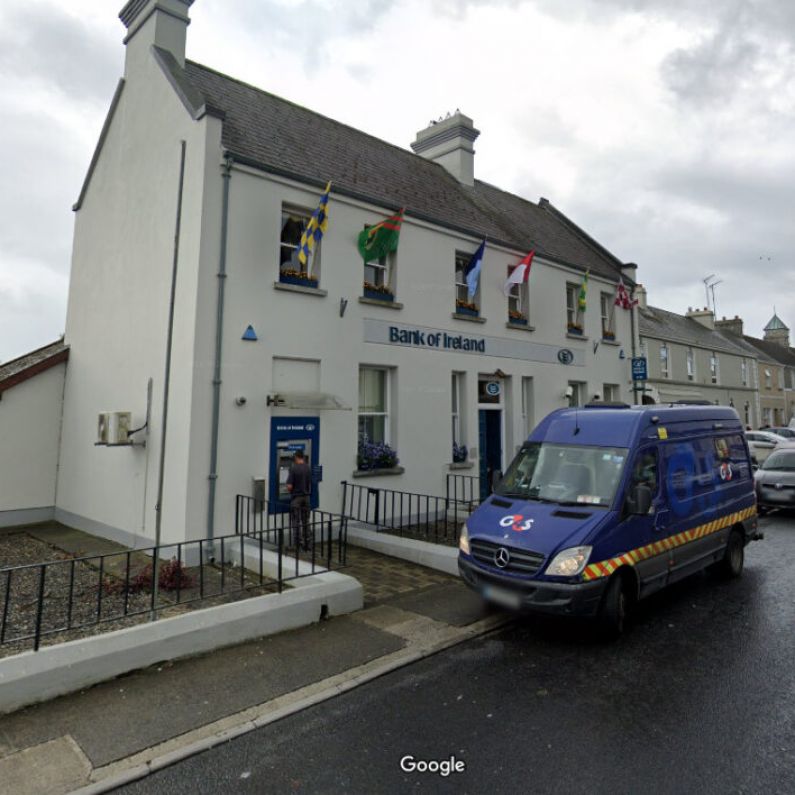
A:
(158, 23)
(448, 142)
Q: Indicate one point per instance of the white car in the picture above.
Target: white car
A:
(761, 444)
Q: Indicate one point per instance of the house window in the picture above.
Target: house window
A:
(744, 372)
(577, 393)
(462, 299)
(664, 361)
(457, 401)
(373, 404)
(379, 275)
(691, 365)
(747, 413)
(713, 367)
(606, 306)
(294, 221)
(517, 301)
(768, 380)
(780, 378)
(610, 393)
(573, 320)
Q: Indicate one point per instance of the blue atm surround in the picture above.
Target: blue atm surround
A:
(289, 434)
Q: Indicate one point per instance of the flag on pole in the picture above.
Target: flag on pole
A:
(472, 270)
(581, 299)
(520, 273)
(317, 225)
(622, 296)
(379, 240)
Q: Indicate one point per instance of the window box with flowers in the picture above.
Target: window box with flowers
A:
(298, 278)
(377, 458)
(460, 453)
(378, 292)
(466, 308)
(609, 335)
(516, 318)
(574, 328)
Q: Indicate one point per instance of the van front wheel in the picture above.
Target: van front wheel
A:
(731, 565)
(614, 608)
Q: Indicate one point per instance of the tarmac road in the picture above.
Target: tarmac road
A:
(698, 697)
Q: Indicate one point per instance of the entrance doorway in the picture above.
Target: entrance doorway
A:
(490, 405)
(289, 435)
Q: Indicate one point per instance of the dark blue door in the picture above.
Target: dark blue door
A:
(289, 434)
(490, 439)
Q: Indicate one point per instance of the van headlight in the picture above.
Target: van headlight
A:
(570, 562)
(463, 541)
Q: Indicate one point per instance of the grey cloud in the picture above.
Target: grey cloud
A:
(42, 43)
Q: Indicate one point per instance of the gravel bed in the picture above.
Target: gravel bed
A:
(96, 594)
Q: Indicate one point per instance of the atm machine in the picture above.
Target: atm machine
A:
(289, 435)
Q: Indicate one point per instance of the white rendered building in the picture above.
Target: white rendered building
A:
(196, 189)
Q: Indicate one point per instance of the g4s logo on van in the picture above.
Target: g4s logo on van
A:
(516, 522)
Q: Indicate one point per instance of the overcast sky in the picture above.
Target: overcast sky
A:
(665, 128)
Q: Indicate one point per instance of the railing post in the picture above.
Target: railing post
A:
(377, 507)
(5, 606)
(39, 607)
(280, 536)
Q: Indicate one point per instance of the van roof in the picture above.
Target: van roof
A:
(612, 426)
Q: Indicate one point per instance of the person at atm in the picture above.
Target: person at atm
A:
(299, 484)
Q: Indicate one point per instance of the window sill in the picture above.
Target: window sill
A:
(615, 343)
(576, 336)
(461, 465)
(469, 318)
(377, 302)
(295, 288)
(520, 327)
(378, 473)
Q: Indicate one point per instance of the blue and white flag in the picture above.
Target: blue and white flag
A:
(472, 270)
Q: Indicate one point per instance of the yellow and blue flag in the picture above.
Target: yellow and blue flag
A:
(317, 225)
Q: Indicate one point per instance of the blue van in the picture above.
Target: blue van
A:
(606, 504)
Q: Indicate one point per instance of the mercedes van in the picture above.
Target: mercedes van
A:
(606, 504)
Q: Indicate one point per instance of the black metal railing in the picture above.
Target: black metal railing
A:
(463, 488)
(39, 600)
(426, 517)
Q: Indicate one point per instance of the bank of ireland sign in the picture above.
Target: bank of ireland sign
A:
(383, 332)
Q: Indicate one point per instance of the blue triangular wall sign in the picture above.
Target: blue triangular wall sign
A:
(250, 334)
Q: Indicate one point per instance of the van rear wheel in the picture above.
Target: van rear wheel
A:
(731, 565)
(614, 610)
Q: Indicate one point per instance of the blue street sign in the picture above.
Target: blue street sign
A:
(639, 371)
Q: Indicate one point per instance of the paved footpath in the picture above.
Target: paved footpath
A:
(122, 730)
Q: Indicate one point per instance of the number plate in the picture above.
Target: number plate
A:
(502, 596)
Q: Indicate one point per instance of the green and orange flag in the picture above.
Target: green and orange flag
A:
(379, 240)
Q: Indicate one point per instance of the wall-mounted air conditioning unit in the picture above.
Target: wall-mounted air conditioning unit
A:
(113, 428)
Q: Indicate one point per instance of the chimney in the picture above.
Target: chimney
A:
(448, 142)
(732, 325)
(158, 23)
(704, 316)
(640, 294)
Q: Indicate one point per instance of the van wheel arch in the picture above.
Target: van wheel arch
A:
(618, 601)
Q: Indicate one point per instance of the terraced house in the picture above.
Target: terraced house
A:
(189, 273)
(689, 359)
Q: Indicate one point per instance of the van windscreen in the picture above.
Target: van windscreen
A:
(565, 474)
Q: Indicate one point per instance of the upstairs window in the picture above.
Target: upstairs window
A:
(294, 222)
(606, 306)
(691, 365)
(517, 302)
(463, 303)
(664, 364)
(744, 372)
(713, 367)
(573, 315)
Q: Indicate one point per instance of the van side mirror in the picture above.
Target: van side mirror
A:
(639, 500)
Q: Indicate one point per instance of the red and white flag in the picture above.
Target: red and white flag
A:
(520, 273)
(622, 296)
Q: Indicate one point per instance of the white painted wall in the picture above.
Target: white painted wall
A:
(30, 426)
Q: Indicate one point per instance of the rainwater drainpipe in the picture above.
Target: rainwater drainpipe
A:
(226, 175)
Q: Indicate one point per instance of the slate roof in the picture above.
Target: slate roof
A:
(276, 135)
(772, 351)
(33, 363)
(664, 325)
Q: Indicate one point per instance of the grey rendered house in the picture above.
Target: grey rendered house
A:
(690, 360)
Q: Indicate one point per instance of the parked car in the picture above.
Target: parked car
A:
(787, 433)
(775, 480)
(603, 506)
(761, 444)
